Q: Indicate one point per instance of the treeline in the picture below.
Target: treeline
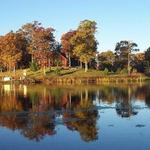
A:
(126, 58)
(35, 46)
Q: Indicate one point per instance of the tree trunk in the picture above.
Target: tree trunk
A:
(31, 58)
(69, 57)
(128, 64)
(80, 64)
(49, 62)
(81, 97)
(44, 70)
(86, 66)
(9, 68)
(86, 95)
(14, 69)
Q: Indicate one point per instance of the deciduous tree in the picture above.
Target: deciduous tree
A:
(84, 42)
(42, 45)
(147, 56)
(67, 46)
(11, 49)
(106, 60)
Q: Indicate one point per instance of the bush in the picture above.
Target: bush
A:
(118, 71)
(106, 71)
(57, 71)
(34, 66)
(1, 69)
(134, 71)
(122, 71)
(147, 71)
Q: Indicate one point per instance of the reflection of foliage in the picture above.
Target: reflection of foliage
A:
(124, 109)
(57, 93)
(78, 110)
(86, 120)
(143, 93)
(86, 127)
(31, 126)
(106, 94)
(38, 127)
(124, 106)
(9, 103)
(34, 97)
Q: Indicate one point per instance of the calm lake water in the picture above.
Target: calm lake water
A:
(106, 117)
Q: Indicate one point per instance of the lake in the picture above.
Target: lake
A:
(75, 117)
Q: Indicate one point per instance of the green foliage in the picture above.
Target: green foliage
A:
(124, 71)
(123, 53)
(57, 62)
(1, 68)
(121, 71)
(134, 70)
(147, 56)
(34, 97)
(106, 71)
(57, 71)
(84, 42)
(118, 71)
(106, 60)
(147, 71)
(34, 66)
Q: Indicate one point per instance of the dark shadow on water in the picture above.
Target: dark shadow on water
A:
(140, 126)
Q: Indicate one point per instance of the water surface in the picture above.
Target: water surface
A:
(75, 117)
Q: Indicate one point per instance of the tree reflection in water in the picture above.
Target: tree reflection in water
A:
(34, 111)
(124, 103)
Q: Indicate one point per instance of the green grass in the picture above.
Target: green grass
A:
(73, 72)
(81, 73)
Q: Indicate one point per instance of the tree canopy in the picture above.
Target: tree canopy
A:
(34, 43)
(84, 42)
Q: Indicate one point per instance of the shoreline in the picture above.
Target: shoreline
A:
(62, 80)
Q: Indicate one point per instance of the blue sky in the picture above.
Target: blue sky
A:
(116, 19)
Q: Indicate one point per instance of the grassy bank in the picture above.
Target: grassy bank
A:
(74, 76)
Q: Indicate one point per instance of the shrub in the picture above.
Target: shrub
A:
(121, 71)
(34, 66)
(57, 71)
(106, 71)
(147, 71)
(124, 71)
(118, 71)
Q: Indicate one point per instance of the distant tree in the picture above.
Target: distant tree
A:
(67, 46)
(139, 62)
(147, 56)
(147, 61)
(123, 53)
(106, 60)
(84, 42)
